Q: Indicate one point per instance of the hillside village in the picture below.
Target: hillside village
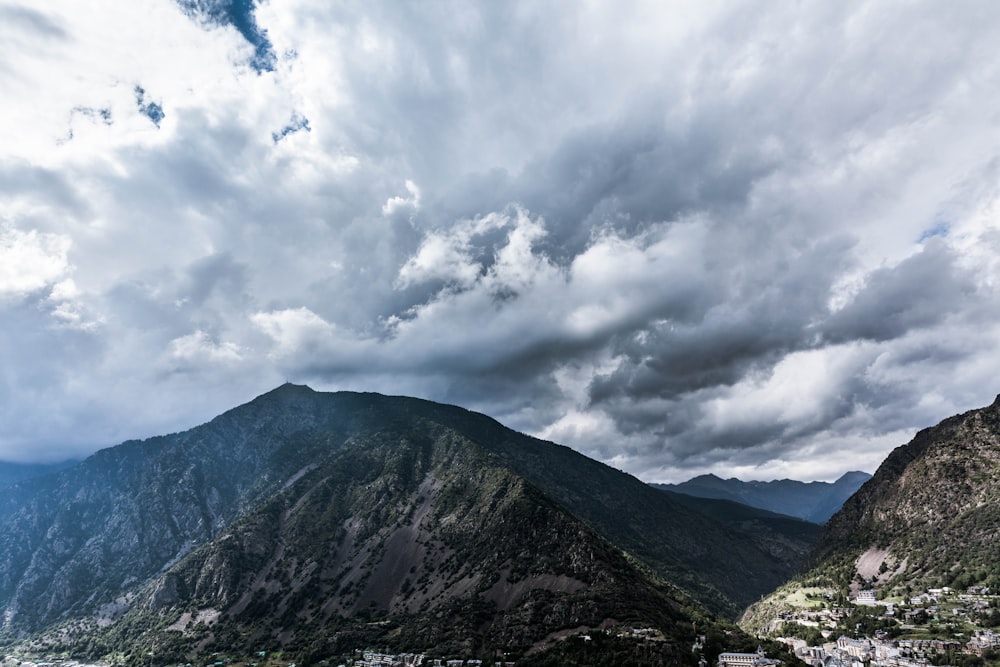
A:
(372, 658)
(935, 627)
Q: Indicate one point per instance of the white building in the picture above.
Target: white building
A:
(757, 659)
(866, 598)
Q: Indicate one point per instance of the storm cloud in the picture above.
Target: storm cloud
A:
(752, 239)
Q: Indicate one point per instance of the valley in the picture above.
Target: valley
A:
(520, 333)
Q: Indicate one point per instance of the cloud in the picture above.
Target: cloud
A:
(397, 203)
(681, 238)
(33, 21)
(199, 348)
(31, 261)
(294, 329)
(919, 292)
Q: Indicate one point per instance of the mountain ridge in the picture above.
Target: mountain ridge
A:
(232, 525)
(812, 501)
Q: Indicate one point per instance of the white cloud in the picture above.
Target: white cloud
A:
(199, 347)
(294, 328)
(396, 203)
(31, 261)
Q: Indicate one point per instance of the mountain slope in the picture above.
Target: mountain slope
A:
(722, 568)
(783, 536)
(341, 496)
(812, 501)
(417, 539)
(929, 517)
(934, 503)
(83, 535)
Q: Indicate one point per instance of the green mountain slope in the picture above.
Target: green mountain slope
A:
(930, 517)
(300, 515)
(933, 507)
(415, 539)
(784, 537)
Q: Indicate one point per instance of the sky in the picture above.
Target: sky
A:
(754, 239)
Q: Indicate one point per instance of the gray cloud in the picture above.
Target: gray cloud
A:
(679, 238)
(919, 292)
(32, 21)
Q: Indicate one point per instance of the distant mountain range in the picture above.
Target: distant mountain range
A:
(812, 501)
(316, 523)
(930, 517)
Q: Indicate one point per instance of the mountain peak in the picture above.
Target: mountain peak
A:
(291, 388)
(286, 392)
(852, 475)
(303, 511)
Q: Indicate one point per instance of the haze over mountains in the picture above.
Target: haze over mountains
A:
(11, 473)
(812, 501)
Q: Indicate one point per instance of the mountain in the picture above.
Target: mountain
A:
(781, 535)
(812, 501)
(931, 513)
(929, 517)
(319, 522)
(412, 537)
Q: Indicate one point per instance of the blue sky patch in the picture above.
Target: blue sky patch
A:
(297, 123)
(939, 229)
(97, 115)
(240, 15)
(150, 110)
(102, 116)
